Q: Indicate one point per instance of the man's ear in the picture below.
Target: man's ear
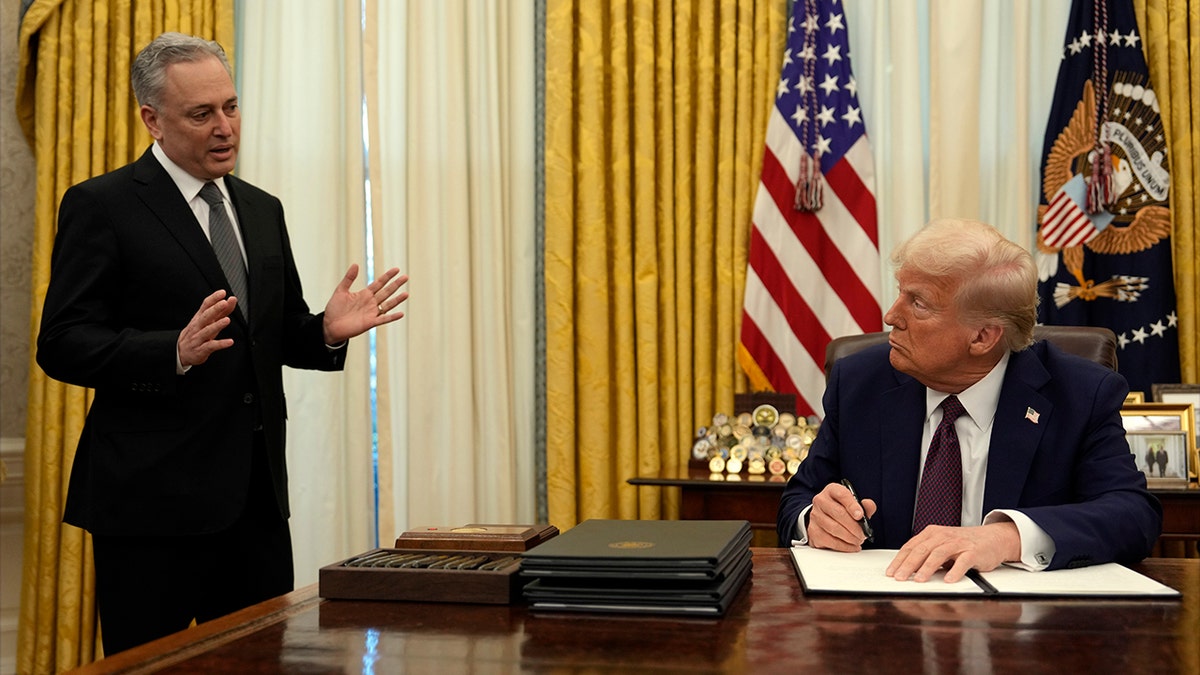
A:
(986, 338)
(150, 119)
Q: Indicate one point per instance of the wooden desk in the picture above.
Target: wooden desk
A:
(771, 627)
(707, 496)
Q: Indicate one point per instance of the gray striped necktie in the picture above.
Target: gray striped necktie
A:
(225, 244)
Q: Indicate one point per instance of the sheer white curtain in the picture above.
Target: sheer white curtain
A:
(454, 185)
(450, 101)
(300, 90)
(955, 97)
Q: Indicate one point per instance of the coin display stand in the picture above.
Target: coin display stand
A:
(470, 564)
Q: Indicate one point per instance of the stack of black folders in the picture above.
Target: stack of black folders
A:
(683, 567)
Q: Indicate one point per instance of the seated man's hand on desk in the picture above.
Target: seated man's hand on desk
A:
(984, 547)
(833, 520)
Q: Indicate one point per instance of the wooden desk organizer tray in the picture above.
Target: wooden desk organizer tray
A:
(472, 563)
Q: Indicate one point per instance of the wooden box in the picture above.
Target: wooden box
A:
(518, 538)
(470, 564)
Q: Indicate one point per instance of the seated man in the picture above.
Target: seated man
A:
(1031, 467)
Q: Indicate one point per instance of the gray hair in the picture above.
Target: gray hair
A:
(148, 75)
(996, 279)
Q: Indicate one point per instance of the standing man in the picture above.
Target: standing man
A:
(1031, 465)
(174, 295)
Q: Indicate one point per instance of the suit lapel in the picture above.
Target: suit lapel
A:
(903, 421)
(154, 187)
(250, 216)
(1016, 433)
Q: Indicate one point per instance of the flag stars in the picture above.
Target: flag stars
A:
(787, 57)
(833, 54)
(825, 116)
(1157, 328)
(1139, 335)
(834, 23)
(1074, 47)
(822, 146)
(1085, 40)
(800, 116)
(809, 53)
(1131, 40)
(1172, 319)
(830, 84)
(1122, 340)
(852, 86)
(782, 88)
(805, 85)
(810, 23)
(853, 116)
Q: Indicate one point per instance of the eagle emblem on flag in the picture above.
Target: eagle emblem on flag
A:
(1138, 216)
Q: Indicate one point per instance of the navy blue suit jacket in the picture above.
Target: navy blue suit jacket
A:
(1071, 472)
(162, 453)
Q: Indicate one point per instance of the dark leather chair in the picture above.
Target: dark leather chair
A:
(1092, 343)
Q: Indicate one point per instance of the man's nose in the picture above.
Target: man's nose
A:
(223, 126)
(892, 316)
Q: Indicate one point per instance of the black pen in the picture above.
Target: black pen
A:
(866, 525)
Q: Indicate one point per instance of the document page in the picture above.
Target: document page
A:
(823, 571)
(1109, 579)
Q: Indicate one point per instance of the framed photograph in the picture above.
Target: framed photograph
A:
(1181, 393)
(1162, 438)
(1135, 397)
(1162, 456)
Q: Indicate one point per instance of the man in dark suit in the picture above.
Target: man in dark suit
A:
(1041, 475)
(180, 474)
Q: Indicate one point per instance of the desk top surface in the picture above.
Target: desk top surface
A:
(772, 626)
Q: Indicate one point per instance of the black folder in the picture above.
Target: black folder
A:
(657, 567)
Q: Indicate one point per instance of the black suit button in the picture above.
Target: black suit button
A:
(248, 399)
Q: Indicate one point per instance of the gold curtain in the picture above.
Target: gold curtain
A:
(1171, 35)
(80, 116)
(655, 115)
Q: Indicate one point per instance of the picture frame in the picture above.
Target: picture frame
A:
(1135, 397)
(1180, 393)
(1162, 438)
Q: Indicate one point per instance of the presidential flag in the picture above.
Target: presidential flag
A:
(1104, 223)
(813, 270)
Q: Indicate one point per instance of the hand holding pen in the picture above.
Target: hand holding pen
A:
(837, 519)
(864, 521)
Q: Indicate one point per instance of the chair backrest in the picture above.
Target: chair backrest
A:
(1090, 342)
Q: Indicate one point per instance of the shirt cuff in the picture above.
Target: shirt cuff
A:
(801, 528)
(1037, 548)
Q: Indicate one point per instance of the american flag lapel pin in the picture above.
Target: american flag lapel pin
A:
(1032, 415)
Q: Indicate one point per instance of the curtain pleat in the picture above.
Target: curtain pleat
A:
(78, 113)
(450, 96)
(1171, 39)
(654, 125)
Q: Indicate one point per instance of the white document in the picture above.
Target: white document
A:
(1109, 579)
(823, 571)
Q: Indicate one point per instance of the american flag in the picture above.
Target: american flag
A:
(813, 271)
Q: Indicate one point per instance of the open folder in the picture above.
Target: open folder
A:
(824, 571)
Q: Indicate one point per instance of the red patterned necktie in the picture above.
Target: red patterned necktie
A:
(939, 499)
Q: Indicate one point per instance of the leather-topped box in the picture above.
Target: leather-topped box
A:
(471, 564)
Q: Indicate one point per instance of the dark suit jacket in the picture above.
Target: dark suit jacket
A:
(1071, 472)
(162, 453)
